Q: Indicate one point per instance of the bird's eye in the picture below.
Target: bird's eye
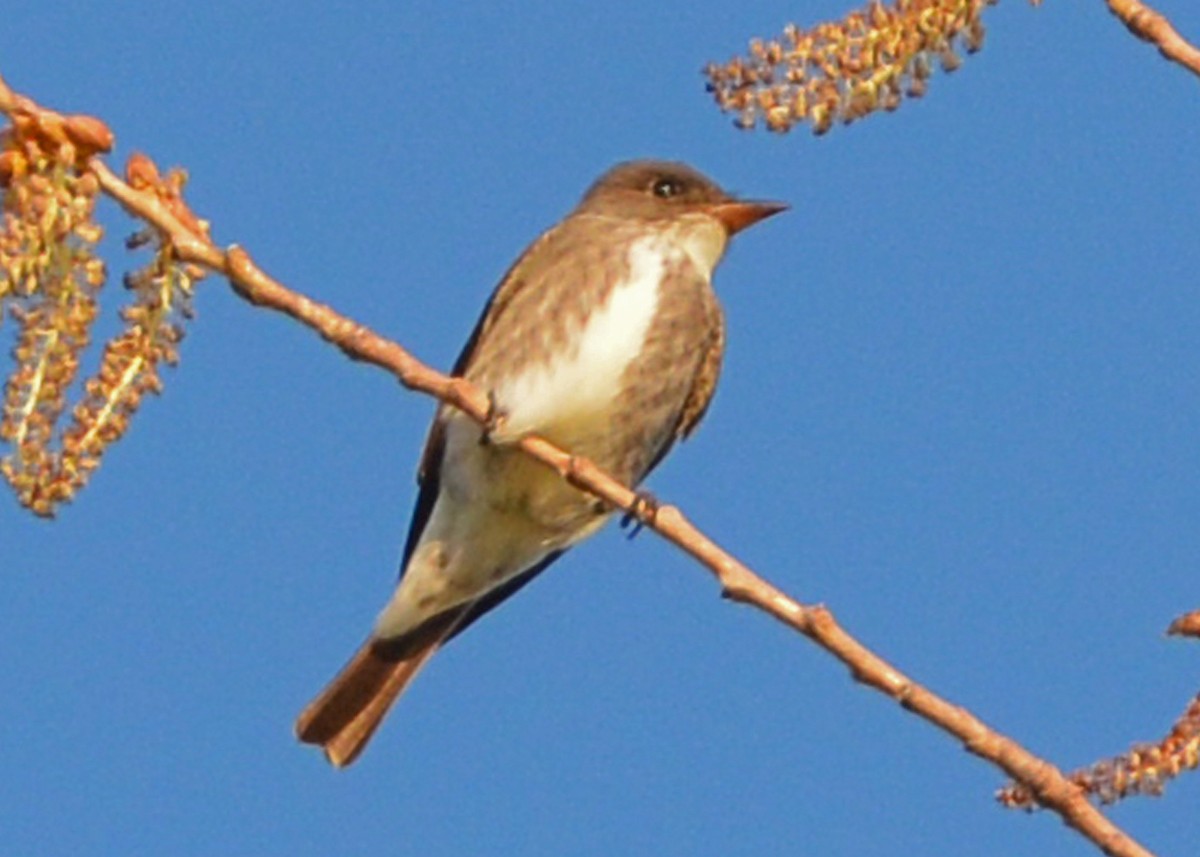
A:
(666, 188)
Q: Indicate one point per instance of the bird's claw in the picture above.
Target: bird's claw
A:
(642, 511)
(493, 420)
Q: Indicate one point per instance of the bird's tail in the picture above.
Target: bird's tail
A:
(344, 716)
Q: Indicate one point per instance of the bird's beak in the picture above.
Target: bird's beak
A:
(738, 214)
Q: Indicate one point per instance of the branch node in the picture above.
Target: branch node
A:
(237, 268)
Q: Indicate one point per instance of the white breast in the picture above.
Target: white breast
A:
(586, 377)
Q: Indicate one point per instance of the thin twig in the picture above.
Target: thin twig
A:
(1152, 26)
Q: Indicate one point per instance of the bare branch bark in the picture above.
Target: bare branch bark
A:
(1050, 788)
(1151, 26)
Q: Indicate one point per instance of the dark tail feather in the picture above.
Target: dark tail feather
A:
(342, 719)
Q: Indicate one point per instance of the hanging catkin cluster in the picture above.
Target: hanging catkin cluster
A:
(50, 281)
(844, 70)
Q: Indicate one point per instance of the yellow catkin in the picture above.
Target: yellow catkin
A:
(845, 70)
(50, 280)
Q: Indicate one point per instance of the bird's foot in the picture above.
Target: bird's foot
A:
(493, 422)
(643, 510)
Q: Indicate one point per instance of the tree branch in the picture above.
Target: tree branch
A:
(738, 583)
(1151, 26)
(188, 239)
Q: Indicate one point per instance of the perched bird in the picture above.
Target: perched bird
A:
(605, 338)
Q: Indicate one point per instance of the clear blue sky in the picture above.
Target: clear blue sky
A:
(961, 407)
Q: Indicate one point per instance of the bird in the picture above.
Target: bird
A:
(605, 337)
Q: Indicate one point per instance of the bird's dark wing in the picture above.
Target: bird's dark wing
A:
(431, 465)
(435, 442)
